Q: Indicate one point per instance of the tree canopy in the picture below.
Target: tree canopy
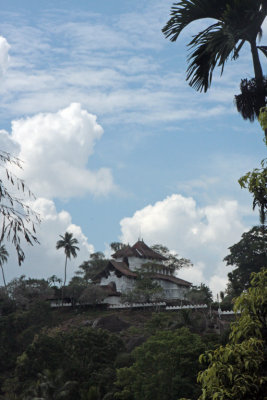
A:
(85, 356)
(248, 255)
(145, 289)
(173, 261)
(237, 371)
(90, 268)
(165, 368)
(256, 183)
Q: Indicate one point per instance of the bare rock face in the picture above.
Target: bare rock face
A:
(111, 323)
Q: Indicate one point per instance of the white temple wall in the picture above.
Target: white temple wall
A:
(171, 290)
(112, 300)
(122, 284)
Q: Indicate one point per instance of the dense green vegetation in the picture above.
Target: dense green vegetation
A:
(45, 353)
(165, 367)
(63, 354)
(238, 370)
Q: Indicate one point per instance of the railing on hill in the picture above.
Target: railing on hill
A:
(186, 307)
(162, 305)
(136, 305)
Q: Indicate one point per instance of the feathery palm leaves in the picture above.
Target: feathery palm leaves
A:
(238, 21)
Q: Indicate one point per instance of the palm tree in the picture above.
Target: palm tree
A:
(237, 22)
(3, 259)
(68, 242)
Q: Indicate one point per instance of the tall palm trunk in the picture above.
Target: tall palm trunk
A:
(3, 276)
(65, 278)
(65, 271)
(259, 77)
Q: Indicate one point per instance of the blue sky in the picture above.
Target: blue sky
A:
(115, 144)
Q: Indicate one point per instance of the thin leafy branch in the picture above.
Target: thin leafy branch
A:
(18, 219)
(256, 183)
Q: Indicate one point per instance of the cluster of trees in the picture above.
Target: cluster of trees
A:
(40, 359)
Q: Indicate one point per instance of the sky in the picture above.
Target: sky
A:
(115, 145)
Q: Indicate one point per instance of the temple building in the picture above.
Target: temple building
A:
(121, 272)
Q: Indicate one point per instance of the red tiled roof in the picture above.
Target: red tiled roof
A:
(173, 279)
(119, 266)
(140, 250)
(123, 268)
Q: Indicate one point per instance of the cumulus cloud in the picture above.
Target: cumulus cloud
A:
(8, 144)
(55, 148)
(43, 261)
(202, 234)
(4, 57)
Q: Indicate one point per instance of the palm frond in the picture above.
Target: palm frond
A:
(263, 49)
(68, 242)
(212, 47)
(187, 11)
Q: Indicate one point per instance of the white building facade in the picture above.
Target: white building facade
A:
(121, 273)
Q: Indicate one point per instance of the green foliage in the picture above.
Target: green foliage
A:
(164, 368)
(51, 386)
(92, 294)
(7, 305)
(237, 371)
(17, 331)
(160, 321)
(248, 255)
(25, 292)
(116, 246)
(256, 183)
(89, 269)
(173, 261)
(200, 294)
(145, 289)
(263, 118)
(85, 355)
(18, 219)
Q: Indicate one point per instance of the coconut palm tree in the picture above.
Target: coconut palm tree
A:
(68, 242)
(3, 259)
(236, 22)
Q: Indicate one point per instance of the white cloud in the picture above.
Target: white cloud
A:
(202, 234)
(45, 260)
(4, 57)
(55, 148)
(101, 68)
(8, 144)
